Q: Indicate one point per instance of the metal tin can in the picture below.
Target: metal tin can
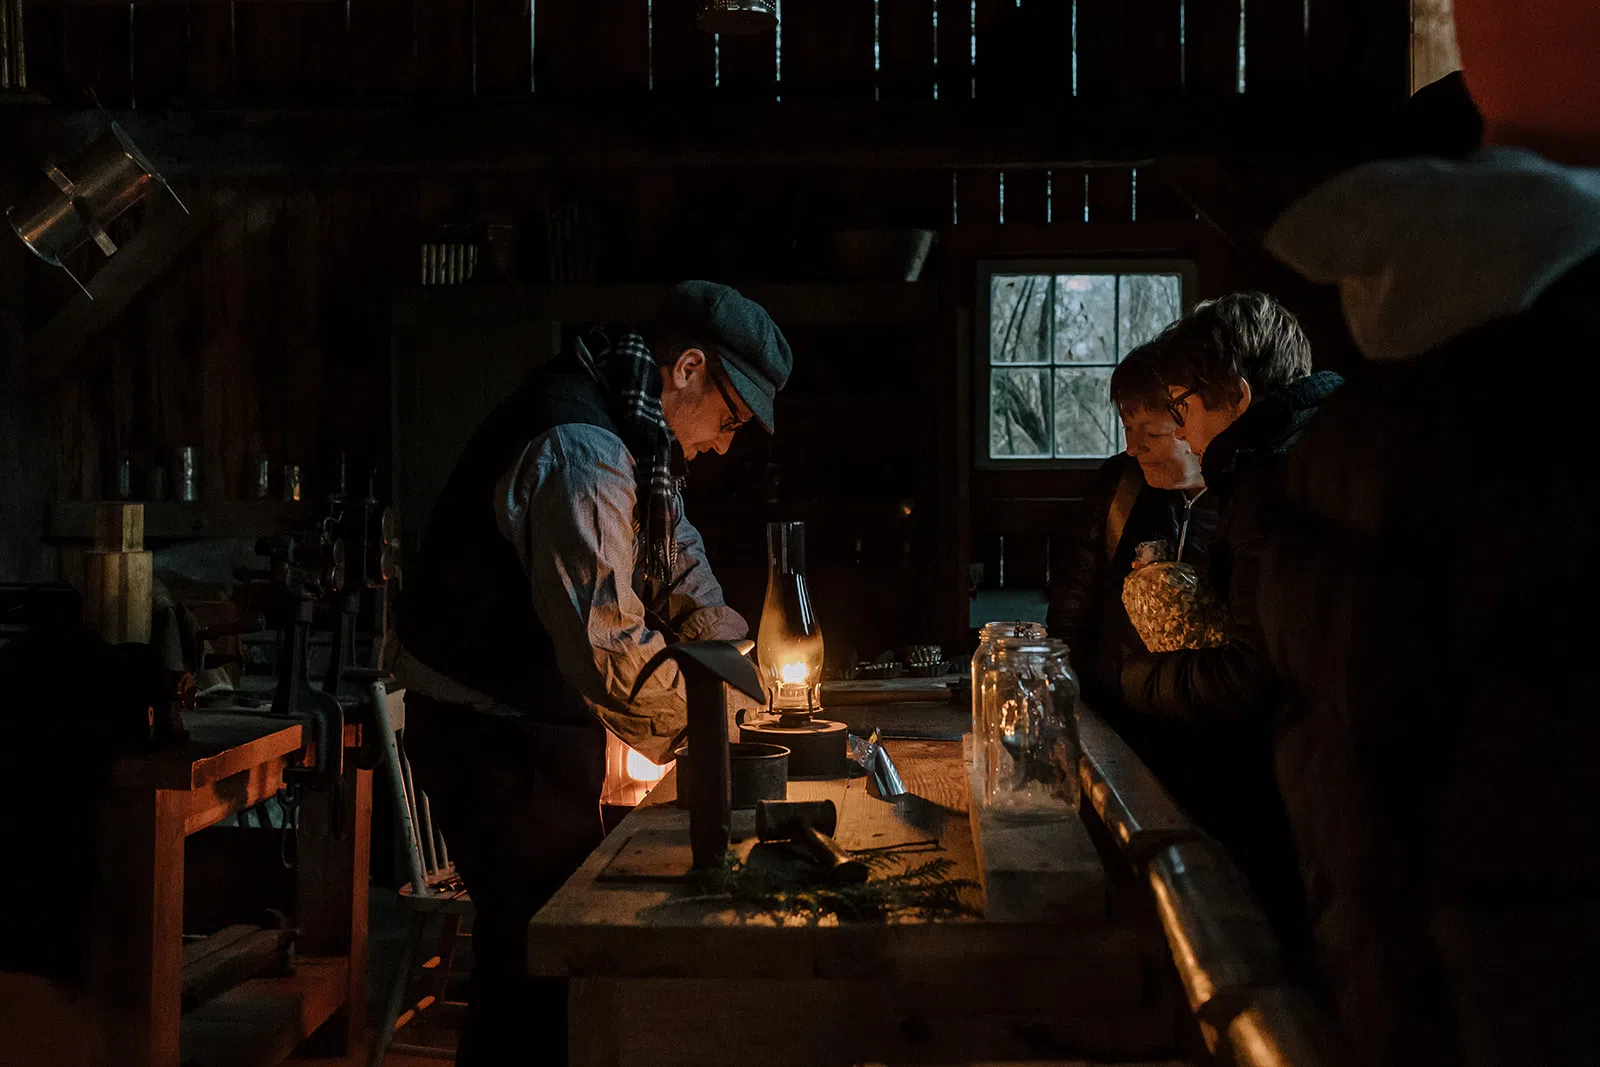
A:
(119, 480)
(291, 481)
(261, 478)
(185, 478)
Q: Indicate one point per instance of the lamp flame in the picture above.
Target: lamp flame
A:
(793, 673)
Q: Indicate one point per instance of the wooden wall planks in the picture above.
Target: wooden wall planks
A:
(1099, 48)
(1110, 194)
(1155, 199)
(906, 49)
(953, 49)
(1275, 45)
(504, 49)
(682, 56)
(1025, 201)
(98, 49)
(445, 47)
(977, 197)
(1211, 46)
(599, 47)
(44, 22)
(616, 45)
(828, 50)
(160, 59)
(1152, 47)
(154, 52)
(382, 58)
(749, 65)
(210, 52)
(269, 55)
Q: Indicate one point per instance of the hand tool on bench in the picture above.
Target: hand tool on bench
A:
(809, 825)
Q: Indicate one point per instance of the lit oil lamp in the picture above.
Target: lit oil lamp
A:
(789, 653)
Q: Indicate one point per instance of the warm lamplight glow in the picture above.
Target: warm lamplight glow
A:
(642, 770)
(789, 645)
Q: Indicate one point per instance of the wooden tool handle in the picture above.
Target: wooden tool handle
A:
(826, 851)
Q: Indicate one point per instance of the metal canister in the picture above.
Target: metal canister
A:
(119, 479)
(155, 483)
(291, 481)
(260, 477)
(185, 477)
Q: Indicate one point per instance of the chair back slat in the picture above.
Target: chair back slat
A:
(404, 789)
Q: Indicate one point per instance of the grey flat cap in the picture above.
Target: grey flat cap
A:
(749, 343)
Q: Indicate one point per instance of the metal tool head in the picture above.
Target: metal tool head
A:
(782, 820)
(724, 660)
(885, 776)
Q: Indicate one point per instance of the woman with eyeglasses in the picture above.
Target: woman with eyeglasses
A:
(1240, 391)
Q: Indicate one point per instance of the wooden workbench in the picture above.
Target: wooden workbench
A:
(154, 801)
(658, 979)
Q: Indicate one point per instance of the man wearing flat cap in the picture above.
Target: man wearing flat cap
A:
(556, 563)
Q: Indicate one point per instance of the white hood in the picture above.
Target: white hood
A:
(1426, 249)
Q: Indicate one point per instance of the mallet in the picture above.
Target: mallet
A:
(809, 825)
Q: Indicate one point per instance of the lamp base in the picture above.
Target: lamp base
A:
(816, 746)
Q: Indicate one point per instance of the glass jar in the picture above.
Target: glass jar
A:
(1030, 741)
(980, 660)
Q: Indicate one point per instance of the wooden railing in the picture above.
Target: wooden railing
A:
(1225, 952)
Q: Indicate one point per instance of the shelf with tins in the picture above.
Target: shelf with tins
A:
(171, 520)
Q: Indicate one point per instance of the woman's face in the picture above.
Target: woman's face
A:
(1167, 462)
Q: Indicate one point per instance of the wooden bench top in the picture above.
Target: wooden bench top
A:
(601, 925)
(221, 744)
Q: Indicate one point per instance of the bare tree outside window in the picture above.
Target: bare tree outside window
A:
(1054, 340)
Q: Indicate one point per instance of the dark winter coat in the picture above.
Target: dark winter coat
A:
(1216, 706)
(1086, 606)
(1429, 601)
(1086, 610)
(1234, 682)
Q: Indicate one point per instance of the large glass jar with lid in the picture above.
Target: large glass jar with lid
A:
(1030, 741)
(980, 660)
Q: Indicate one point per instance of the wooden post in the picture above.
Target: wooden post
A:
(709, 815)
(117, 576)
(136, 949)
(331, 898)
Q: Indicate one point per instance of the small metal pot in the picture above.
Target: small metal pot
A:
(758, 772)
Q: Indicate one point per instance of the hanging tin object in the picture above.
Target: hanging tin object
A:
(738, 16)
(85, 194)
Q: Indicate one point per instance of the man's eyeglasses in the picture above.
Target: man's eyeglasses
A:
(734, 420)
(1179, 404)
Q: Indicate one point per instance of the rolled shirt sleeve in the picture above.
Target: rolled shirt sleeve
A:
(693, 601)
(568, 505)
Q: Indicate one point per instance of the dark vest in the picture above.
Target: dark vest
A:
(465, 609)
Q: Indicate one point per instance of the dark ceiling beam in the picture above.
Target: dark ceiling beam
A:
(660, 133)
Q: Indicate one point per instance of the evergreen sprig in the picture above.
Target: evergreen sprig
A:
(925, 890)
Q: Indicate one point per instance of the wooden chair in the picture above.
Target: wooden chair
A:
(433, 892)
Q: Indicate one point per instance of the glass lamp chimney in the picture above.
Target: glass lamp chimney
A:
(789, 645)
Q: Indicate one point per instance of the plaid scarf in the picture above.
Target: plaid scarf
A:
(627, 371)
